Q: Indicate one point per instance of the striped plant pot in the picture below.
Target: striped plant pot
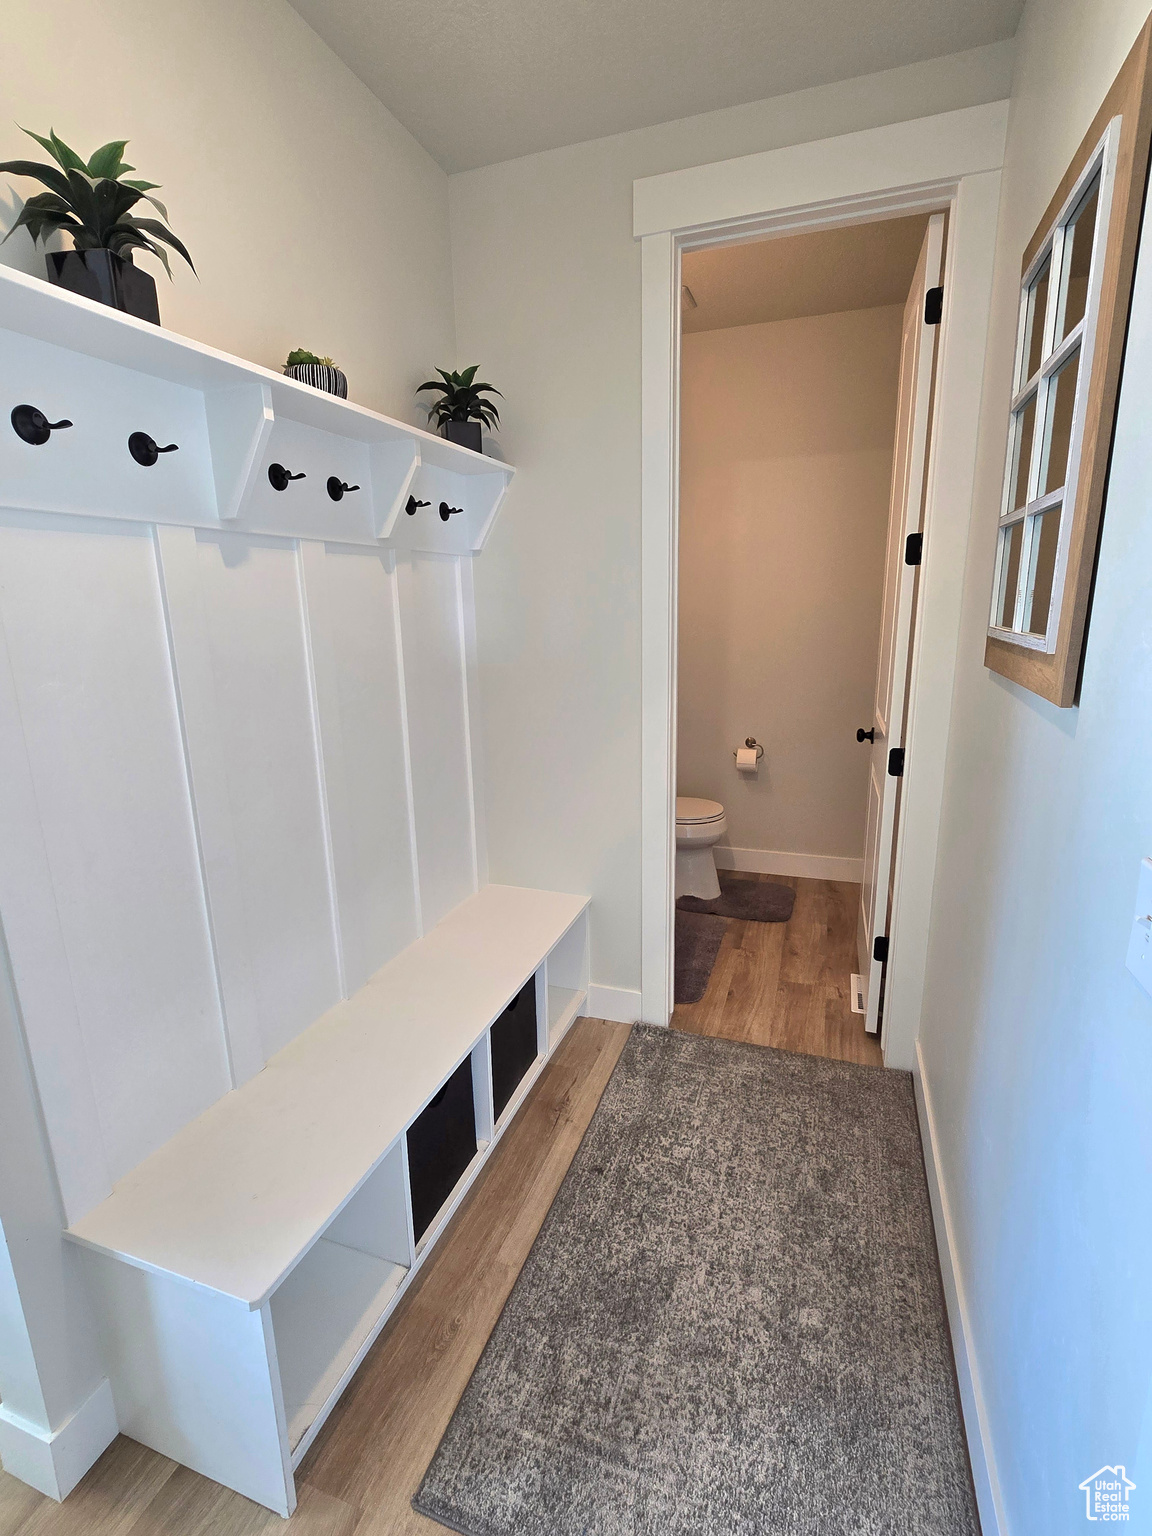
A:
(320, 376)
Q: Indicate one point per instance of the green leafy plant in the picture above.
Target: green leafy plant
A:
(92, 202)
(301, 356)
(461, 399)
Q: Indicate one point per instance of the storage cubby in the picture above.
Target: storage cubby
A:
(515, 1046)
(441, 1144)
(329, 1308)
(566, 972)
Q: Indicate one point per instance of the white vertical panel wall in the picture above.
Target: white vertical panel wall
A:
(236, 777)
(434, 632)
(91, 704)
(259, 653)
(352, 614)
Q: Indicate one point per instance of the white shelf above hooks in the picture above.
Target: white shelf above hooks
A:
(111, 375)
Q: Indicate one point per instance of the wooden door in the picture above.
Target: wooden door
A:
(909, 469)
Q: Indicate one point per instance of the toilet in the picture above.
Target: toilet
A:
(700, 825)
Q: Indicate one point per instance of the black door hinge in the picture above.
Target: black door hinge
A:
(896, 762)
(914, 549)
(933, 306)
(880, 948)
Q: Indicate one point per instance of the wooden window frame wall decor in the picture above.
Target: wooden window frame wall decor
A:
(1113, 155)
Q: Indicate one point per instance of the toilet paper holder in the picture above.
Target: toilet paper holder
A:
(750, 741)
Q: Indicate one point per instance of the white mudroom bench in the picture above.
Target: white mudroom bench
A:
(243, 1270)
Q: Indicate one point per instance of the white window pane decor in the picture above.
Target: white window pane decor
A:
(1075, 287)
(1059, 305)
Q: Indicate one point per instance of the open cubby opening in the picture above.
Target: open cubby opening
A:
(567, 977)
(325, 1311)
(441, 1144)
(515, 1046)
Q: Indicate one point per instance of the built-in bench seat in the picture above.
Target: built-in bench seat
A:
(243, 1270)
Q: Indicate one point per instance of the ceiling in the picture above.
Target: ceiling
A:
(477, 81)
(858, 267)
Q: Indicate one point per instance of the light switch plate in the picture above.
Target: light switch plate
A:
(1140, 944)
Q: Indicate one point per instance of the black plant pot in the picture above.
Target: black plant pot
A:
(466, 433)
(109, 279)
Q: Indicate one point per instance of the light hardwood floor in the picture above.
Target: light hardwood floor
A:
(781, 984)
(359, 1477)
(786, 984)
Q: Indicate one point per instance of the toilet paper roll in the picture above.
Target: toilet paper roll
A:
(746, 760)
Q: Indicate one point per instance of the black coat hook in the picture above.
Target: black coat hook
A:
(412, 506)
(446, 511)
(337, 488)
(279, 478)
(144, 450)
(33, 426)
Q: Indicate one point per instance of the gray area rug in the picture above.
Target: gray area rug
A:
(747, 899)
(698, 940)
(731, 1321)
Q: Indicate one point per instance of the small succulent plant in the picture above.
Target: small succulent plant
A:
(300, 356)
(461, 399)
(92, 201)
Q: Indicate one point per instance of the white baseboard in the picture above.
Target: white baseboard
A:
(980, 1449)
(619, 1005)
(808, 866)
(54, 1462)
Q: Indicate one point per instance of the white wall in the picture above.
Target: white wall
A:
(785, 468)
(547, 282)
(1036, 1042)
(315, 220)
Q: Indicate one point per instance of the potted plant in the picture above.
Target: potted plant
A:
(320, 372)
(462, 413)
(93, 202)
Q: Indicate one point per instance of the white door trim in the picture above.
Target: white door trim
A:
(660, 522)
(952, 160)
(899, 161)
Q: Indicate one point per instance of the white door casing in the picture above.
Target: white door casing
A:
(909, 473)
(951, 161)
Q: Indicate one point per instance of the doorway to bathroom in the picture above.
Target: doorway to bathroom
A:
(806, 387)
(950, 163)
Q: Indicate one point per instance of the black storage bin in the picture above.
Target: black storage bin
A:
(514, 1046)
(441, 1144)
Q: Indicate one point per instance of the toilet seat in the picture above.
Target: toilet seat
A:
(691, 811)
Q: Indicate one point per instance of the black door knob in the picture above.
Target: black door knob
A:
(338, 488)
(279, 478)
(863, 735)
(144, 450)
(33, 426)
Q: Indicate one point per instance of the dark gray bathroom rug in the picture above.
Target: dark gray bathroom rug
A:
(746, 898)
(698, 939)
(731, 1321)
